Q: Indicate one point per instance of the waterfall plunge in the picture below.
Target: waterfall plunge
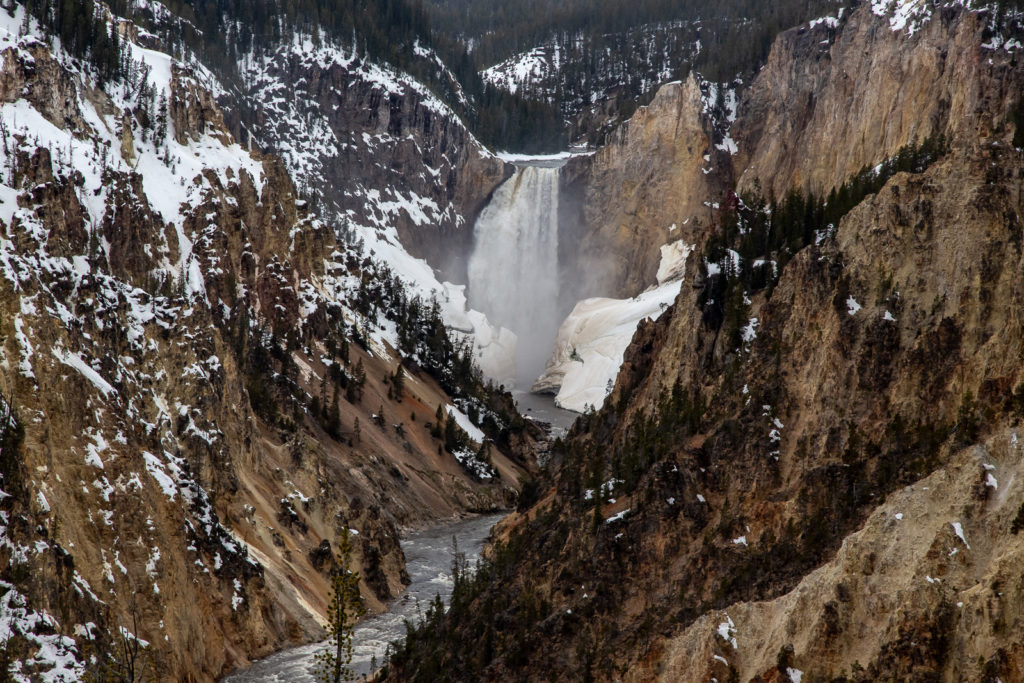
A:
(513, 272)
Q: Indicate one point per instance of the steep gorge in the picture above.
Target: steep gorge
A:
(835, 496)
(203, 382)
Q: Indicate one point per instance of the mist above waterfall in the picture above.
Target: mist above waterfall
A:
(513, 271)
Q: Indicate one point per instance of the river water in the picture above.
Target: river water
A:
(428, 559)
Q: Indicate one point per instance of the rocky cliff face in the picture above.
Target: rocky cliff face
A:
(370, 145)
(846, 94)
(904, 367)
(983, 80)
(835, 97)
(31, 72)
(654, 182)
(834, 496)
(196, 386)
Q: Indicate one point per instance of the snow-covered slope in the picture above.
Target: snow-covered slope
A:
(188, 361)
(592, 339)
(75, 219)
(527, 70)
(387, 163)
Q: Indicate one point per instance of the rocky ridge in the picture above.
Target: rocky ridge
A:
(624, 67)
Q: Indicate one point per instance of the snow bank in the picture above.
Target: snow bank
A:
(494, 347)
(591, 342)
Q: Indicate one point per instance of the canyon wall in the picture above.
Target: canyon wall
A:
(844, 95)
(834, 494)
(199, 386)
(653, 182)
(834, 97)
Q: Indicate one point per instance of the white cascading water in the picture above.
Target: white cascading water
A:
(513, 272)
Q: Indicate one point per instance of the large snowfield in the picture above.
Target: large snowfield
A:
(591, 342)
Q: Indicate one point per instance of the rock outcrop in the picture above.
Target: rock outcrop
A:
(193, 110)
(30, 72)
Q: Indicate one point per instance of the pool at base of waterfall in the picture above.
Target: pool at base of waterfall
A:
(541, 408)
(428, 559)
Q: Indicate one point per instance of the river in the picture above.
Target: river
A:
(428, 560)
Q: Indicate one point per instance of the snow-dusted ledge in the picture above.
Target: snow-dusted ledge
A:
(591, 342)
(538, 159)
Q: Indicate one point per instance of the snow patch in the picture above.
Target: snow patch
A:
(73, 360)
(467, 425)
(469, 461)
(156, 469)
(958, 529)
(749, 332)
(536, 159)
(727, 631)
(673, 261)
(618, 517)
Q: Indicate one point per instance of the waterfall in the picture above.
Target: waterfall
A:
(513, 272)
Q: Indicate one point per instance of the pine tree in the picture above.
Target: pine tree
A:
(398, 380)
(161, 120)
(354, 389)
(344, 350)
(334, 419)
(345, 608)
